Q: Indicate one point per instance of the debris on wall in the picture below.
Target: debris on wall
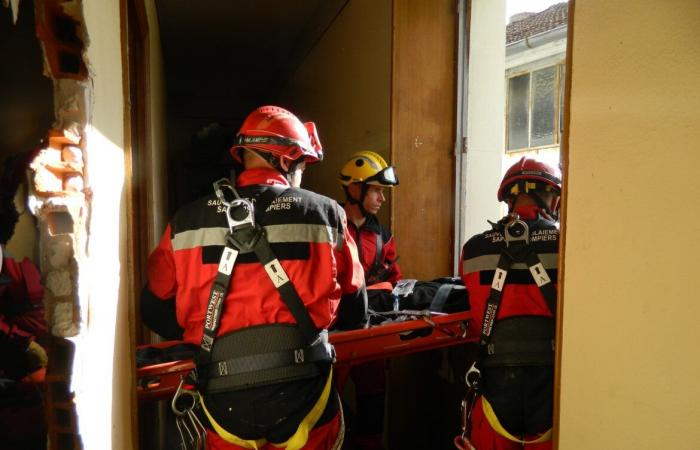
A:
(58, 201)
(58, 26)
(59, 196)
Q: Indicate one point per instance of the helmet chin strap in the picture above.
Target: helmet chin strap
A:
(531, 211)
(275, 162)
(360, 203)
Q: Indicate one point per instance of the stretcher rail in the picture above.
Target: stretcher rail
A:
(427, 332)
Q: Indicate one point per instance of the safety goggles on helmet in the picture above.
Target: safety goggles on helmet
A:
(385, 177)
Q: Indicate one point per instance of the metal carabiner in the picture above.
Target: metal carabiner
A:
(219, 186)
(179, 393)
(473, 377)
(192, 434)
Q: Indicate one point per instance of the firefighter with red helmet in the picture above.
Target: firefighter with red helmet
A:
(510, 272)
(364, 178)
(256, 273)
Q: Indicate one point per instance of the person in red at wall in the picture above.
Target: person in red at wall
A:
(510, 273)
(23, 328)
(276, 389)
(364, 178)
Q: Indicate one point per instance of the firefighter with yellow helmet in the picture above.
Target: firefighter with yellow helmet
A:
(365, 177)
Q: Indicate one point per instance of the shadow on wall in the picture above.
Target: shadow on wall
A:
(26, 109)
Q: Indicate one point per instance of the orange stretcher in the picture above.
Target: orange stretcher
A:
(426, 332)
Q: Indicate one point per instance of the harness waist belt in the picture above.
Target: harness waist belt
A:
(322, 352)
(519, 353)
(261, 355)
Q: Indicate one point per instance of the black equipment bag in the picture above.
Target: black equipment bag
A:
(444, 295)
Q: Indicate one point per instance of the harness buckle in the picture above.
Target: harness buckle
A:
(240, 213)
(516, 230)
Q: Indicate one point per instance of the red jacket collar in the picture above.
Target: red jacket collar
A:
(261, 175)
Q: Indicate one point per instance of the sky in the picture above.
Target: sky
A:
(516, 6)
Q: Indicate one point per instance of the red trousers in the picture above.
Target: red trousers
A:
(323, 437)
(483, 437)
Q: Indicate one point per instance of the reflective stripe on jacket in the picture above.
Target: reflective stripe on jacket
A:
(307, 233)
(521, 296)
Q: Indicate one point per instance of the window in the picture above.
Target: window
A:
(535, 102)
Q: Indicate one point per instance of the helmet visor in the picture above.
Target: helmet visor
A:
(385, 177)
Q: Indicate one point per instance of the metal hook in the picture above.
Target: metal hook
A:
(179, 393)
(219, 186)
(198, 428)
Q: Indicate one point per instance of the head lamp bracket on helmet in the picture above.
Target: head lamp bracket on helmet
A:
(244, 140)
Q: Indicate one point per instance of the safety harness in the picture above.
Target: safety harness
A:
(377, 270)
(259, 355)
(508, 351)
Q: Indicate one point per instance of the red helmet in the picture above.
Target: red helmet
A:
(275, 130)
(529, 170)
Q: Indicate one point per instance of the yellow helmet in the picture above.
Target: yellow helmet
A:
(369, 168)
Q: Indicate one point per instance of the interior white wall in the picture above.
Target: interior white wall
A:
(481, 164)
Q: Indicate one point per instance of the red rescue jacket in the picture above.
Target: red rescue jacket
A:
(521, 296)
(308, 234)
(369, 237)
(21, 313)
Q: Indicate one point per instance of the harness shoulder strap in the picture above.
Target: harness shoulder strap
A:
(517, 248)
(245, 233)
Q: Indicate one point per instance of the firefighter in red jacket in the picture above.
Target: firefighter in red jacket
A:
(364, 178)
(258, 306)
(510, 273)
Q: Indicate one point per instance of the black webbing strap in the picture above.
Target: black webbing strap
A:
(286, 289)
(539, 274)
(264, 361)
(440, 298)
(376, 272)
(505, 261)
(378, 253)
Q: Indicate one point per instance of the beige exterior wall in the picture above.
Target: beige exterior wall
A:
(629, 362)
(343, 85)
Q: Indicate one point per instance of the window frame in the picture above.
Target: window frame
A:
(560, 65)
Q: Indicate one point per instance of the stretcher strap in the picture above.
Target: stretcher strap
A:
(491, 417)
